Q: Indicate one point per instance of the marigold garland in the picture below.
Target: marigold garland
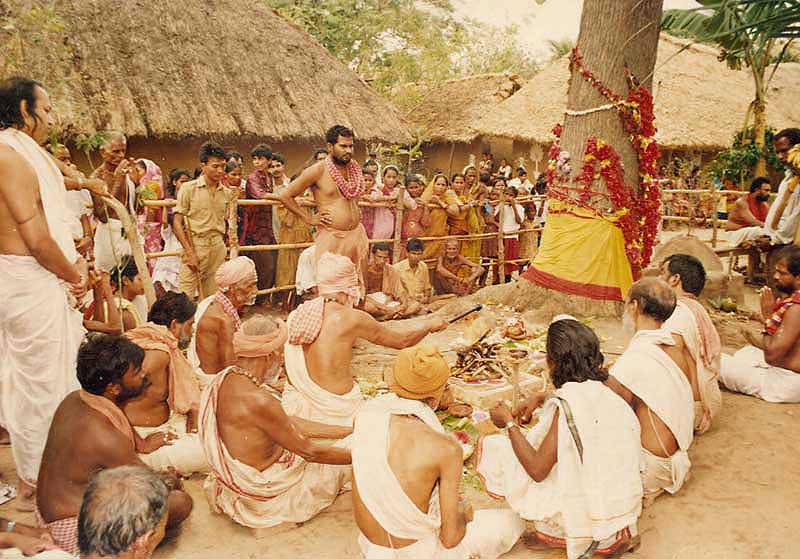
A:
(637, 214)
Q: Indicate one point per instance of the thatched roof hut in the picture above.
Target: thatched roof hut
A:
(452, 111)
(699, 102)
(189, 68)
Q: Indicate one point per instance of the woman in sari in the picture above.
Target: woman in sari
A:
(165, 269)
(475, 192)
(442, 202)
(149, 186)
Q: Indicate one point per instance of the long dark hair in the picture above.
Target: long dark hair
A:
(574, 352)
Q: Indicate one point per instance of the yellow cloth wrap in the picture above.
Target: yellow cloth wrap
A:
(420, 372)
(581, 254)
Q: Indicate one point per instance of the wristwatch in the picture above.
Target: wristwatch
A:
(10, 525)
(509, 425)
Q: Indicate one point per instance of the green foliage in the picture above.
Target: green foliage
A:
(560, 48)
(389, 42)
(736, 163)
(89, 143)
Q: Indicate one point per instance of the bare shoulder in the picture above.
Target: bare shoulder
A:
(11, 162)
(441, 447)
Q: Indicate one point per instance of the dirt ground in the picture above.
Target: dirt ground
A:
(741, 502)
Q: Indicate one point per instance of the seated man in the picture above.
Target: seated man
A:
(164, 416)
(751, 210)
(126, 283)
(90, 433)
(652, 382)
(453, 271)
(697, 336)
(320, 345)
(416, 279)
(386, 296)
(407, 473)
(217, 318)
(769, 369)
(780, 225)
(265, 469)
(586, 432)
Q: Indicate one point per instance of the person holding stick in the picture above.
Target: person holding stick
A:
(200, 223)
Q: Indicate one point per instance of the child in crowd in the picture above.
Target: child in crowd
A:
(513, 214)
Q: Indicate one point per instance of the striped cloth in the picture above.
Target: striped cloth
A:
(64, 532)
(772, 324)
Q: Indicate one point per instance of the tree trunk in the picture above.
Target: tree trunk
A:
(759, 134)
(582, 266)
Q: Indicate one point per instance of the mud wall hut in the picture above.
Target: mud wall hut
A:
(172, 75)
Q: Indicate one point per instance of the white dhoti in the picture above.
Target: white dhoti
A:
(747, 372)
(290, 490)
(39, 339)
(110, 246)
(746, 235)
(646, 370)
(203, 378)
(592, 497)
(490, 534)
(304, 398)
(185, 454)
(166, 268)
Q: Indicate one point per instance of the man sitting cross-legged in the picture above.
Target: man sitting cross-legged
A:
(407, 471)
(265, 469)
(90, 433)
(217, 318)
(770, 368)
(697, 336)
(320, 345)
(165, 414)
(386, 296)
(576, 473)
(648, 376)
(453, 271)
(416, 279)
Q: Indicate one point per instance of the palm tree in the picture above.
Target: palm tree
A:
(751, 33)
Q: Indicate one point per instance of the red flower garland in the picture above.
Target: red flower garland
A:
(638, 214)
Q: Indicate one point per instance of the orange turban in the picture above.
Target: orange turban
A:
(255, 345)
(420, 372)
(234, 271)
(337, 274)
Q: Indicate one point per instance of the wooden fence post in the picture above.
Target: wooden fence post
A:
(233, 227)
(501, 248)
(398, 225)
(714, 217)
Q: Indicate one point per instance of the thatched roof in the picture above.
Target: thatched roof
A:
(699, 102)
(453, 110)
(181, 68)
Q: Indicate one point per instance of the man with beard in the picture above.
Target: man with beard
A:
(217, 319)
(110, 244)
(336, 184)
(780, 224)
(165, 414)
(751, 210)
(769, 368)
(90, 433)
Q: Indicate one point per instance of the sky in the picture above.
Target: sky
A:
(553, 19)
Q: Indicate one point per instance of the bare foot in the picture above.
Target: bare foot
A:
(26, 497)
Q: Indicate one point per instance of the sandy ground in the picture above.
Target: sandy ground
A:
(742, 501)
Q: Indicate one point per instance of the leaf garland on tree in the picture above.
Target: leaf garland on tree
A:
(637, 215)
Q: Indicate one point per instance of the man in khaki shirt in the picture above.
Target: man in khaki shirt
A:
(200, 223)
(416, 280)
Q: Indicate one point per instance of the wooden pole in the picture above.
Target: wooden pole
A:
(398, 224)
(450, 163)
(714, 217)
(501, 248)
(233, 228)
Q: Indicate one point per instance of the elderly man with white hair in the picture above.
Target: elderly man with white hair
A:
(217, 318)
(320, 344)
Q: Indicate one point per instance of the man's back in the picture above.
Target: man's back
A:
(328, 357)
(214, 344)
(80, 442)
(417, 454)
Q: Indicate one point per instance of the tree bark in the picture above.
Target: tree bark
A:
(614, 35)
(759, 134)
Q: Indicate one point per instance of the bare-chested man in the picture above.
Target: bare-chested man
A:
(110, 245)
(449, 276)
(386, 295)
(652, 382)
(407, 473)
(336, 183)
(265, 469)
(217, 318)
(168, 406)
(39, 331)
(90, 433)
(320, 346)
(770, 368)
